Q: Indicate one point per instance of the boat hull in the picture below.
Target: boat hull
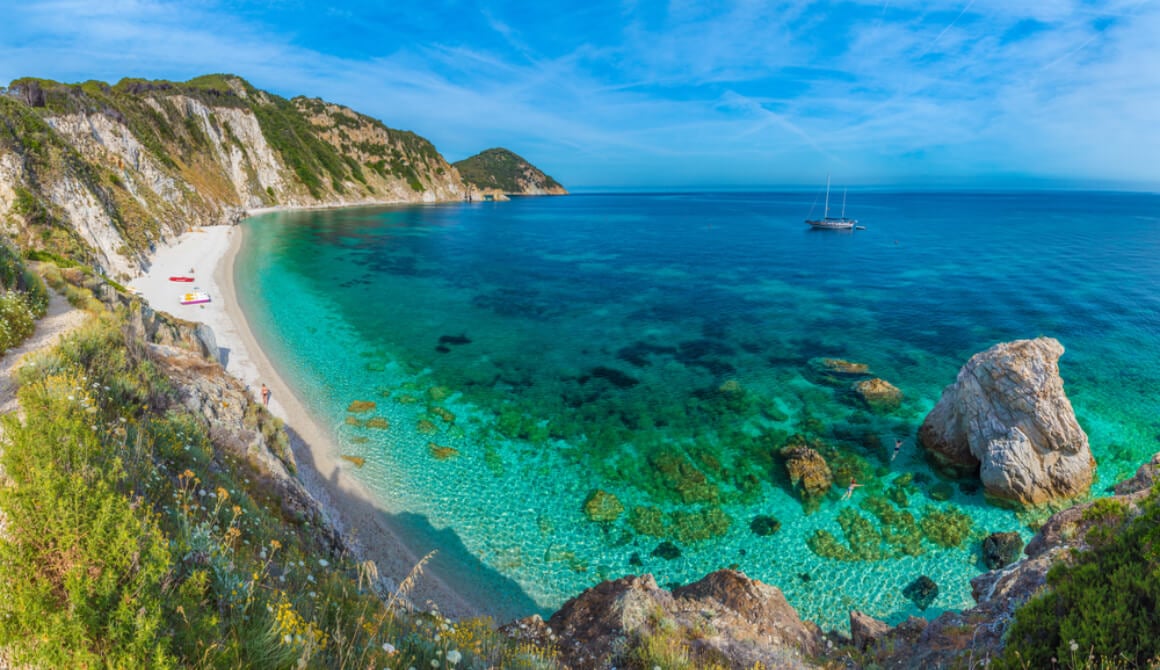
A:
(832, 224)
(181, 278)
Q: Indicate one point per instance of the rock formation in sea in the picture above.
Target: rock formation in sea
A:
(1007, 419)
(809, 474)
(878, 394)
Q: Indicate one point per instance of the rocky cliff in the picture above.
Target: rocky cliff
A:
(501, 171)
(103, 173)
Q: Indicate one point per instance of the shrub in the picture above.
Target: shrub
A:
(1101, 603)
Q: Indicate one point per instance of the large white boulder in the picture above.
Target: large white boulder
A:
(1007, 418)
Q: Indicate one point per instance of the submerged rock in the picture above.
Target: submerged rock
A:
(922, 592)
(942, 491)
(840, 366)
(835, 371)
(764, 525)
(1001, 550)
(359, 406)
(705, 523)
(879, 394)
(666, 550)
(442, 453)
(1007, 418)
(602, 506)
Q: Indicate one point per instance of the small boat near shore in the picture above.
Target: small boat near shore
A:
(828, 222)
(195, 298)
(181, 278)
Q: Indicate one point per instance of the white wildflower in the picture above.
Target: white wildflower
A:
(389, 648)
(454, 656)
(323, 562)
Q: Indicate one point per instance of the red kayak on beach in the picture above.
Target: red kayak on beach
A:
(180, 278)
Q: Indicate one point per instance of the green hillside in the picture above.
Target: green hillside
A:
(141, 160)
(503, 170)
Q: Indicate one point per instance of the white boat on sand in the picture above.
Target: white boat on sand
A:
(195, 298)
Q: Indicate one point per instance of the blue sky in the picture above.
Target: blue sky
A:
(638, 94)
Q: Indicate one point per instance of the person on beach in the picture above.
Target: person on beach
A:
(897, 448)
(850, 490)
(265, 395)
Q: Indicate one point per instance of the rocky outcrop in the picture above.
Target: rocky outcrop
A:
(865, 630)
(238, 425)
(725, 618)
(878, 394)
(808, 471)
(1007, 419)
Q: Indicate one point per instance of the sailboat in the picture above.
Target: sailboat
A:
(828, 222)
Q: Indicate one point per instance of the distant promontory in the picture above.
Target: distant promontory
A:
(501, 171)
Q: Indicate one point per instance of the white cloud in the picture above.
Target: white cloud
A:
(781, 89)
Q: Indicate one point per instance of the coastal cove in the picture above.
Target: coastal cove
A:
(469, 325)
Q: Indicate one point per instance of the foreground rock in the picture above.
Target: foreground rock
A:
(726, 618)
(1007, 418)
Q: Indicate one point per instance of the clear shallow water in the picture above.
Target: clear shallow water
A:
(659, 347)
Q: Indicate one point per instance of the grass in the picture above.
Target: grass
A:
(136, 540)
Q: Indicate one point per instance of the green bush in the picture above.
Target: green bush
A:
(1099, 607)
(23, 300)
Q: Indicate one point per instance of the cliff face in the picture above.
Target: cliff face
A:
(103, 173)
(499, 170)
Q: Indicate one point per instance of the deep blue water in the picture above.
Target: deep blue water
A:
(661, 347)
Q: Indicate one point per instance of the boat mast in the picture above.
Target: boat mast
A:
(843, 203)
(827, 213)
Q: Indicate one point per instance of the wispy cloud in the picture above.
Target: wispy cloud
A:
(650, 93)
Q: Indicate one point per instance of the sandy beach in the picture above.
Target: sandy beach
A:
(208, 254)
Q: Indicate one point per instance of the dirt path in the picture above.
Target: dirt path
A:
(61, 318)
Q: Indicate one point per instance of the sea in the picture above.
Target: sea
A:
(557, 391)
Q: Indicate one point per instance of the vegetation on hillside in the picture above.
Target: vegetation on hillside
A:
(192, 164)
(1099, 609)
(133, 539)
(503, 170)
(23, 298)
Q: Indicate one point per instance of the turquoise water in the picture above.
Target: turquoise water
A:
(661, 347)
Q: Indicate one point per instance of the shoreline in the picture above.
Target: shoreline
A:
(371, 531)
